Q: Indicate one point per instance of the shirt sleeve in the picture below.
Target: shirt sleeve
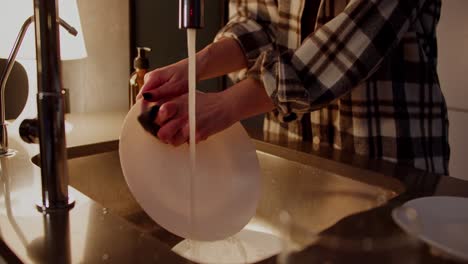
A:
(251, 26)
(336, 57)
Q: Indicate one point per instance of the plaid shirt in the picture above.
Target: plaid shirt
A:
(365, 81)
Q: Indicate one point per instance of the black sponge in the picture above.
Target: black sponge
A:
(147, 118)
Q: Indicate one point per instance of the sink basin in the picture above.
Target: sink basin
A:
(315, 196)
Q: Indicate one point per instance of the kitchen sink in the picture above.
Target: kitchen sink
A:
(315, 192)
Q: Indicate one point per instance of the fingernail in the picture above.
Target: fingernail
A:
(147, 96)
(163, 111)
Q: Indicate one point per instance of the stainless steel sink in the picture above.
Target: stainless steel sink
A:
(316, 192)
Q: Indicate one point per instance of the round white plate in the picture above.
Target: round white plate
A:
(442, 222)
(226, 185)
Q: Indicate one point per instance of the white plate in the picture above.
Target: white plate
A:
(227, 183)
(442, 222)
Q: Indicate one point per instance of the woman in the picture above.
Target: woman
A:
(362, 80)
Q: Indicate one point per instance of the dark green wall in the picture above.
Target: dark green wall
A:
(156, 26)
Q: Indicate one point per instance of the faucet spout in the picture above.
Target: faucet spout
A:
(191, 14)
(4, 150)
(68, 27)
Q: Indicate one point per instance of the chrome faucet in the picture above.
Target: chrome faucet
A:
(50, 107)
(4, 150)
(191, 14)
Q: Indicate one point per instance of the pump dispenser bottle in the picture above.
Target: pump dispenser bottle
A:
(141, 67)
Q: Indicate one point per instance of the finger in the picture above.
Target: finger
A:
(140, 95)
(186, 132)
(151, 81)
(178, 139)
(166, 112)
(144, 106)
(147, 76)
(166, 90)
(165, 100)
(168, 130)
(200, 137)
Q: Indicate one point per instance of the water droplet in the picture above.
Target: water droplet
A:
(105, 257)
(104, 211)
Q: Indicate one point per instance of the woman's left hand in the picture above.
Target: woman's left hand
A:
(213, 114)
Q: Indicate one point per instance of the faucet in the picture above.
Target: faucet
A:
(53, 155)
(4, 150)
(191, 14)
(50, 108)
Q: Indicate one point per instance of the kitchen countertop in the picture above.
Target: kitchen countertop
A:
(375, 223)
(90, 234)
(86, 234)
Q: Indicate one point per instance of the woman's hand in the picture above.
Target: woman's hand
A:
(214, 111)
(214, 60)
(213, 114)
(165, 83)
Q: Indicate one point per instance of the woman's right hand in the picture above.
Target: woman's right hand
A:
(165, 83)
(217, 59)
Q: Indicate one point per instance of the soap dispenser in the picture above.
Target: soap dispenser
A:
(141, 67)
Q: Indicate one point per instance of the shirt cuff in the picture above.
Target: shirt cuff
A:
(272, 70)
(251, 37)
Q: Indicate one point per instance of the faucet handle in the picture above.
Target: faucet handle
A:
(29, 131)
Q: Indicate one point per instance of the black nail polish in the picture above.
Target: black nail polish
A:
(147, 96)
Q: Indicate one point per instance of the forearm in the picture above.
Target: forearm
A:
(246, 99)
(220, 58)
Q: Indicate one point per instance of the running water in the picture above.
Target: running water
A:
(192, 69)
(222, 251)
